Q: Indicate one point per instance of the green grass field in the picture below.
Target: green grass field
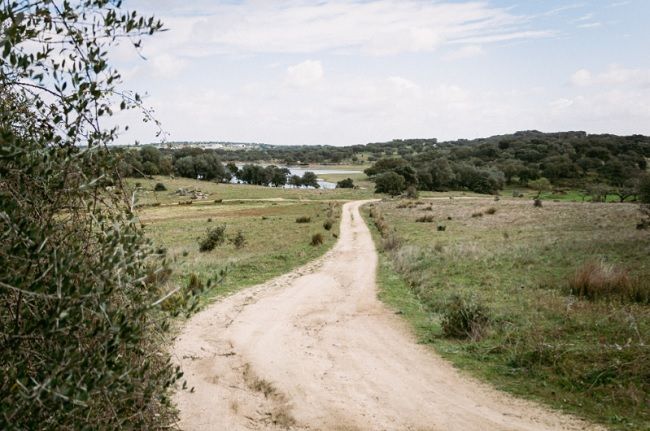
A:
(588, 357)
(275, 243)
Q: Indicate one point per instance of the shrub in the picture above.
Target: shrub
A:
(185, 299)
(442, 228)
(537, 203)
(391, 241)
(210, 220)
(598, 280)
(345, 184)
(491, 211)
(425, 219)
(214, 237)
(218, 201)
(412, 192)
(316, 239)
(464, 318)
(238, 240)
(303, 219)
(477, 214)
(327, 224)
(159, 187)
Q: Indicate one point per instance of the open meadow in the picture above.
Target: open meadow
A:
(272, 241)
(551, 302)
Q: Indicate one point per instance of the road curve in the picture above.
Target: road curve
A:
(315, 350)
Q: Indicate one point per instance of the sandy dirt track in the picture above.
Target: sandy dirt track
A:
(315, 350)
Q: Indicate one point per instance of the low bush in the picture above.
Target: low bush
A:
(537, 203)
(218, 201)
(316, 239)
(184, 202)
(185, 299)
(239, 240)
(442, 228)
(159, 187)
(598, 280)
(327, 224)
(303, 219)
(214, 237)
(425, 219)
(391, 242)
(464, 318)
(477, 214)
(491, 211)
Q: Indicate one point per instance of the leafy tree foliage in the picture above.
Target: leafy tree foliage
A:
(390, 182)
(78, 279)
(345, 184)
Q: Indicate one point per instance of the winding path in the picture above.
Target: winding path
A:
(315, 350)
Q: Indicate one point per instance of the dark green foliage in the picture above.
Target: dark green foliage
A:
(464, 318)
(303, 219)
(309, 179)
(644, 189)
(390, 183)
(159, 187)
(214, 237)
(345, 184)
(316, 239)
(78, 280)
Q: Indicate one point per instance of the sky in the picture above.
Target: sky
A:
(336, 72)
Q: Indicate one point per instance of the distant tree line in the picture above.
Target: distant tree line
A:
(596, 163)
(206, 165)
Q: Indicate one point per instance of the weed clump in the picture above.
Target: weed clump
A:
(316, 239)
(491, 211)
(598, 280)
(477, 214)
(159, 187)
(537, 203)
(441, 228)
(425, 219)
(214, 237)
(239, 240)
(303, 219)
(327, 224)
(464, 318)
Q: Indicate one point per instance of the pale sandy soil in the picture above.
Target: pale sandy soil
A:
(316, 350)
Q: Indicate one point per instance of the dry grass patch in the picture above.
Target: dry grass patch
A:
(598, 280)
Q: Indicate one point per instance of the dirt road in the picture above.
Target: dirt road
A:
(315, 350)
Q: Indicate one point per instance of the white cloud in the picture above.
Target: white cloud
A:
(467, 51)
(166, 66)
(613, 76)
(304, 74)
(381, 27)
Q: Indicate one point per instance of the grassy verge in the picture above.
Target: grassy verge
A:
(274, 242)
(588, 357)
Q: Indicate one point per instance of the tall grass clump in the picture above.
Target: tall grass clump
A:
(464, 318)
(316, 239)
(425, 219)
(596, 280)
